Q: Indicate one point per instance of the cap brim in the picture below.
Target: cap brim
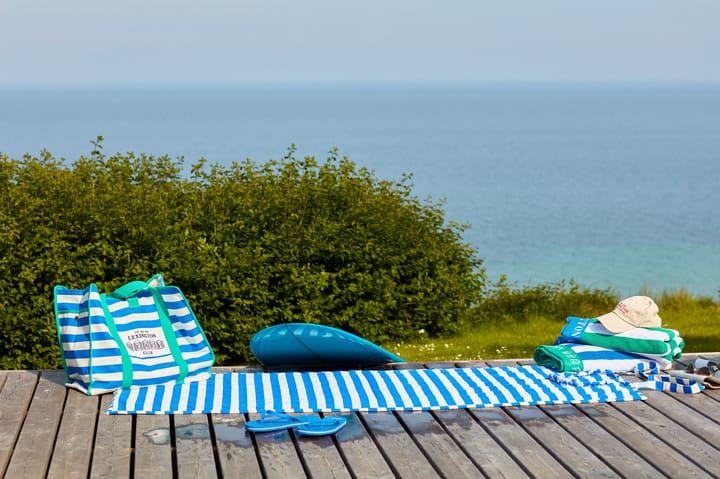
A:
(614, 323)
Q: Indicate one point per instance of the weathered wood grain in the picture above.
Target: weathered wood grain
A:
(73, 449)
(15, 396)
(236, 450)
(113, 444)
(36, 442)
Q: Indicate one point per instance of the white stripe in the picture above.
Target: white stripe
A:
(335, 391)
(267, 392)
(480, 381)
(250, 388)
(303, 397)
(190, 340)
(382, 385)
(369, 391)
(217, 394)
(317, 391)
(234, 394)
(443, 376)
(103, 361)
(179, 312)
(403, 398)
(150, 397)
(355, 401)
(184, 396)
(200, 396)
(132, 399)
(172, 297)
(134, 317)
(424, 400)
(470, 389)
(76, 330)
(85, 345)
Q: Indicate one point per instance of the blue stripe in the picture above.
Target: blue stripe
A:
(192, 397)
(142, 396)
(434, 376)
(259, 393)
(311, 396)
(414, 399)
(327, 392)
(457, 386)
(210, 392)
(160, 394)
(344, 391)
(513, 372)
(97, 353)
(471, 380)
(359, 387)
(394, 393)
(421, 378)
(500, 395)
(375, 386)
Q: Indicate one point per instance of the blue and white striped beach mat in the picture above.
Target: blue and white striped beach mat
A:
(368, 391)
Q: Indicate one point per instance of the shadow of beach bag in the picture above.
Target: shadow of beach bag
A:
(143, 333)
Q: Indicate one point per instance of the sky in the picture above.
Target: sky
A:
(238, 41)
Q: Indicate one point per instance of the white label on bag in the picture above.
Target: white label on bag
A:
(145, 342)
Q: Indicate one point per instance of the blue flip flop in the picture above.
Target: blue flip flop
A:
(321, 427)
(277, 421)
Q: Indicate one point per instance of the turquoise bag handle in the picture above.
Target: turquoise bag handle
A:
(127, 290)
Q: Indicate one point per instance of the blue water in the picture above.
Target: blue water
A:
(612, 186)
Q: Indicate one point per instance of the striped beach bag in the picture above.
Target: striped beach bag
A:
(144, 333)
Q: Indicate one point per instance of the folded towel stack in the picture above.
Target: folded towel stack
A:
(575, 357)
(585, 344)
(653, 343)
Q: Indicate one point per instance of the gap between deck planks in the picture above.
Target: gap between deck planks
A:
(47, 430)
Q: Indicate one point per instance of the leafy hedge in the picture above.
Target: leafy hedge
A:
(250, 245)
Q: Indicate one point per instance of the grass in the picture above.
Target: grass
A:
(510, 337)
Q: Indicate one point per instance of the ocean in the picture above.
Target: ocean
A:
(612, 186)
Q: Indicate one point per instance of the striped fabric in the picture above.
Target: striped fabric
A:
(653, 343)
(135, 347)
(574, 357)
(367, 391)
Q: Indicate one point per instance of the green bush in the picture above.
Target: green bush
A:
(508, 304)
(250, 245)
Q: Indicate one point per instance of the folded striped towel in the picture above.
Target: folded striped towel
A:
(575, 357)
(649, 342)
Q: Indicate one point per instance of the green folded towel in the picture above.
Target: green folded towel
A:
(559, 358)
(662, 342)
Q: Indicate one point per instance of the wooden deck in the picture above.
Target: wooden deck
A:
(47, 430)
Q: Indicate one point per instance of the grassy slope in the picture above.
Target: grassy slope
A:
(697, 320)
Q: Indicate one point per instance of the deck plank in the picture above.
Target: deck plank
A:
(236, 450)
(35, 444)
(604, 445)
(447, 455)
(364, 459)
(47, 430)
(565, 448)
(642, 441)
(400, 449)
(17, 391)
(322, 457)
(277, 453)
(153, 451)
(113, 444)
(194, 447)
(73, 449)
(523, 447)
(487, 454)
(675, 435)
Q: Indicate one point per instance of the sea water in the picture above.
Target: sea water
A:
(613, 186)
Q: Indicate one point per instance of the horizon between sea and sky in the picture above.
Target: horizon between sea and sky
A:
(578, 141)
